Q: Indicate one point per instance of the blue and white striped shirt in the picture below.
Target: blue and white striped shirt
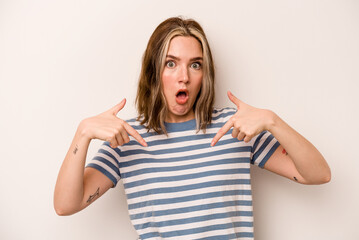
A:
(179, 187)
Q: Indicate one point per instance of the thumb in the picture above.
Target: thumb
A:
(233, 99)
(118, 107)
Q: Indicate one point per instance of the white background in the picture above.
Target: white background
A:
(62, 61)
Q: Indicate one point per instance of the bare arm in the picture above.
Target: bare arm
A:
(297, 158)
(76, 187)
(300, 160)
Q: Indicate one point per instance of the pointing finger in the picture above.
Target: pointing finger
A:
(135, 134)
(221, 132)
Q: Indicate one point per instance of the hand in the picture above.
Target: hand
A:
(108, 127)
(247, 122)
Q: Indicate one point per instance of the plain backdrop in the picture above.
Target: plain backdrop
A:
(63, 61)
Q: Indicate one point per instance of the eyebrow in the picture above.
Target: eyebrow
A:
(176, 58)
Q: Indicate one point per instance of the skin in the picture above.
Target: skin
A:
(77, 186)
(300, 161)
(183, 70)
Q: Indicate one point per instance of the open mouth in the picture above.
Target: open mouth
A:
(182, 96)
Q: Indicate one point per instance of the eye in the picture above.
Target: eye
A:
(170, 64)
(196, 65)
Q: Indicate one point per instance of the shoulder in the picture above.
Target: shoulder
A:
(135, 123)
(222, 114)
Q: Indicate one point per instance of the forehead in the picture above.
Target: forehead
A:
(181, 46)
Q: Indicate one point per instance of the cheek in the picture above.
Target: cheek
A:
(168, 76)
(166, 83)
(198, 82)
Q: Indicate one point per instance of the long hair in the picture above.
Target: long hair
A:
(150, 100)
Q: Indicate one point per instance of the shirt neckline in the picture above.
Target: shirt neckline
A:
(181, 126)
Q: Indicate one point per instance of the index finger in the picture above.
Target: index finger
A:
(135, 134)
(221, 132)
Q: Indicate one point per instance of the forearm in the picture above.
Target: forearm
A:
(69, 189)
(308, 160)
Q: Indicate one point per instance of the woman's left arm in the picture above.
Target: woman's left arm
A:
(296, 158)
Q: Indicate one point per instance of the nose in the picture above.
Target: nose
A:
(184, 74)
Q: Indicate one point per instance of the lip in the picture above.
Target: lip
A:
(182, 90)
(182, 100)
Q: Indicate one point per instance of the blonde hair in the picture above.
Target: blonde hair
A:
(150, 101)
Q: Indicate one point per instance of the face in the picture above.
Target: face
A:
(182, 77)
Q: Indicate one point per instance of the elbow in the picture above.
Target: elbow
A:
(62, 210)
(323, 175)
(65, 206)
(325, 178)
(59, 208)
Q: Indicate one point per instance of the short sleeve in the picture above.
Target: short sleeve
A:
(264, 145)
(107, 161)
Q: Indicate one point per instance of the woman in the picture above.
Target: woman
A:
(185, 165)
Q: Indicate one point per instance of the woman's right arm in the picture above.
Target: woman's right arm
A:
(77, 187)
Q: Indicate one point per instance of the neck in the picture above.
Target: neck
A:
(177, 119)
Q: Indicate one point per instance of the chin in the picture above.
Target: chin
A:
(178, 114)
(180, 111)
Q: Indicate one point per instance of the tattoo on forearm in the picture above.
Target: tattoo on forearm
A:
(75, 150)
(284, 152)
(295, 179)
(92, 197)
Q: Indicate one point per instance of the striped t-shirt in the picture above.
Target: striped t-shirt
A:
(179, 187)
